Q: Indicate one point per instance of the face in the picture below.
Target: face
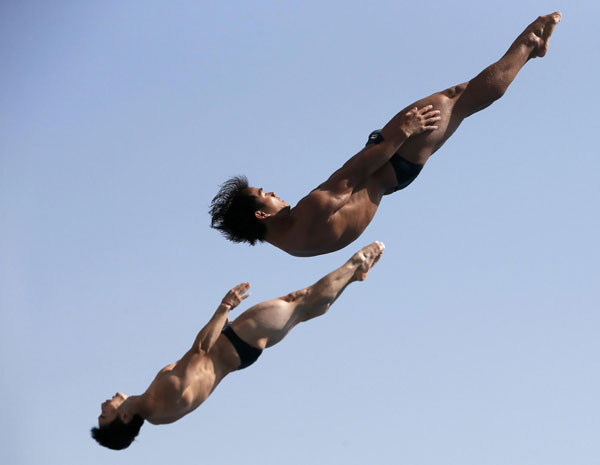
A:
(109, 409)
(272, 203)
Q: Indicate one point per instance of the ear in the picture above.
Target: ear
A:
(261, 215)
(125, 417)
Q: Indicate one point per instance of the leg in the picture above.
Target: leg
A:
(461, 101)
(268, 323)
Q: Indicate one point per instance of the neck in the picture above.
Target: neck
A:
(137, 405)
(278, 226)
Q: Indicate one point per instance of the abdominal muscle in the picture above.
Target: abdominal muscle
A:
(354, 217)
(331, 232)
(358, 212)
(180, 388)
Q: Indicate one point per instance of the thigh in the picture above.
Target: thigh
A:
(419, 148)
(267, 323)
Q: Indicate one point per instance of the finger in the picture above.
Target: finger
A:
(245, 296)
(429, 121)
(425, 109)
(431, 113)
(235, 288)
(377, 257)
(430, 128)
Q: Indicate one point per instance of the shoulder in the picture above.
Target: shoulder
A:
(167, 368)
(323, 200)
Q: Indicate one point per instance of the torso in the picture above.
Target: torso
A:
(181, 387)
(326, 221)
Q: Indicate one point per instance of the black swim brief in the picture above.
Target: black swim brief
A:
(246, 352)
(406, 171)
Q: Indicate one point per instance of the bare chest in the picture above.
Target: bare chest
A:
(182, 389)
(328, 229)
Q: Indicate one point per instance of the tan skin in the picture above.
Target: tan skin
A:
(179, 388)
(338, 211)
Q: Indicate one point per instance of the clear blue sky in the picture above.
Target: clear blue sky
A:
(473, 341)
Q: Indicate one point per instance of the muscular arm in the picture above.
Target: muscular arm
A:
(361, 166)
(210, 333)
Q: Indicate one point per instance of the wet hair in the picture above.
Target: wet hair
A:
(232, 211)
(118, 435)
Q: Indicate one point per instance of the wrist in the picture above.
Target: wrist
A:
(404, 133)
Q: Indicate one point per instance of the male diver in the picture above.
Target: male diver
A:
(221, 348)
(337, 212)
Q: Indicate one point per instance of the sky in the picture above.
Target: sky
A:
(473, 341)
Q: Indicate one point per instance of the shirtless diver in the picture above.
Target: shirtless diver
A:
(221, 348)
(337, 212)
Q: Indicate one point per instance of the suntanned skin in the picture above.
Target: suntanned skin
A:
(179, 388)
(338, 211)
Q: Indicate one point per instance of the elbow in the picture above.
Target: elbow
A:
(200, 346)
(203, 347)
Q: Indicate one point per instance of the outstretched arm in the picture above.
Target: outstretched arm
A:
(210, 333)
(361, 166)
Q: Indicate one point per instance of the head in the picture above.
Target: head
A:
(242, 213)
(117, 425)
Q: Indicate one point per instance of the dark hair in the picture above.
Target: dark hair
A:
(118, 435)
(232, 211)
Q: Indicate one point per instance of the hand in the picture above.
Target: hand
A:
(236, 295)
(417, 121)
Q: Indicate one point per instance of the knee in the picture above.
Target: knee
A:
(455, 91)
(295, 297)
(476, 97)
(315, 309)
(314, 304)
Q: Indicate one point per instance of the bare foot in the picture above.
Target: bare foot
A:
(538, 33)
(366, 259)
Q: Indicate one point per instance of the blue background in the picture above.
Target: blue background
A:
(473, 341)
